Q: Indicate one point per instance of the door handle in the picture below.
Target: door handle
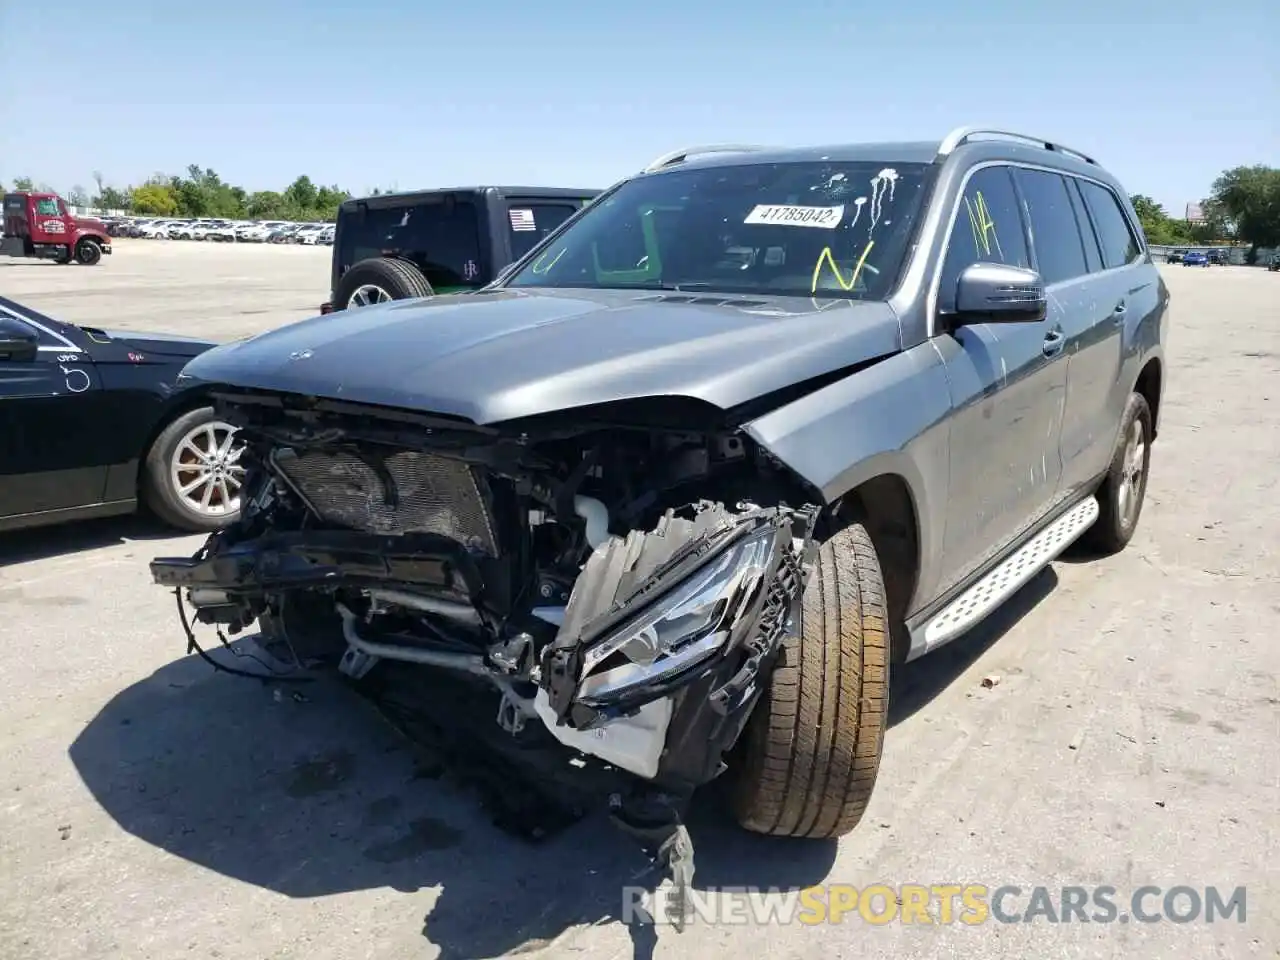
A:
(1053, 342)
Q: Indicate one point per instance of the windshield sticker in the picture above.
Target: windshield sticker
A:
(825, 218)
(882, 183)
(522, 221)
(470, 270)
(827, 257)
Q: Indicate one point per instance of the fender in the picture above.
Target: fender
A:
(891, 418)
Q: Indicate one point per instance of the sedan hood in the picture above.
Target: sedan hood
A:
(508, 354)
(160, 346)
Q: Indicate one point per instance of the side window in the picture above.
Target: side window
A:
(1092, 252)
(1054, 234)
(528, 223)
(1119, 245)
(47, 207)
(987, 229)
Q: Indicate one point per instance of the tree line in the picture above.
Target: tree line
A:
(202, 193)
(1243, 205)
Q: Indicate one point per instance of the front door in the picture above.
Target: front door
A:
(50, 427)
(1007, 382)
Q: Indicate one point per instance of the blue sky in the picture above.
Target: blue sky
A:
(396, 93)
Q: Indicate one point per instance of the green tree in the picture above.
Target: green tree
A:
(77, 196)
(112, 199)
(23, 184)
(155, 199)
(1250, 198)
(265, 205)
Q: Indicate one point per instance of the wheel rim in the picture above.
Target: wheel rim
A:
(205, 473)
(367, 294)
(1132, 468)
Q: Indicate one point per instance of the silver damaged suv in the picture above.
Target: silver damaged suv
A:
(671, 495)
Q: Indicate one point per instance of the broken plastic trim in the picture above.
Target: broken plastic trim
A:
(686, 627)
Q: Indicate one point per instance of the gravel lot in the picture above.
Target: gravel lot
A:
(150, 809)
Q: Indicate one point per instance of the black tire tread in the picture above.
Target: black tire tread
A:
(406, 279)
(1107, 535)
(813, 745)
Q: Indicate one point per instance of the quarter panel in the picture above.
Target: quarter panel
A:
(890, 418)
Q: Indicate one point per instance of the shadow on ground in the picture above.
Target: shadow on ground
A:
(21, 546)
(306, 791)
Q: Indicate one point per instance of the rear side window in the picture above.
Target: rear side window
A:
(442, 240)
(529, 223)
(987, 229)
(1092, 252)
(1119, 245)
(1055, 237)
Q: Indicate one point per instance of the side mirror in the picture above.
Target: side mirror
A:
(995, 293)
(17, 340)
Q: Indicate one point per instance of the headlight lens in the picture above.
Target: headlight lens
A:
(687, 626)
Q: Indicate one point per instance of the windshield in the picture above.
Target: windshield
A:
(825, 229)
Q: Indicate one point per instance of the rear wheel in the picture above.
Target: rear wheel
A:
(88, 252)
(1124, 489)
(193, 474)
(811, 749)
(379, 280)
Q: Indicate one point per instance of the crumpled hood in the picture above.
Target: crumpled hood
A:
(507, 354)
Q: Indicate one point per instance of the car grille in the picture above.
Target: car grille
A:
(412, 493)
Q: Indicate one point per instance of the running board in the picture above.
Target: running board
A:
(1003, 580)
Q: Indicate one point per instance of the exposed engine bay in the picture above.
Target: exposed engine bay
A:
(624, 588)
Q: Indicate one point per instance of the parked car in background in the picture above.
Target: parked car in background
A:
(1174, 256)
(1219, 257)
(1274, 265)
(678, 489)
(401, 245)
(94, 422)
(1195, 258)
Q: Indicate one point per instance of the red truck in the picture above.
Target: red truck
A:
(39, 225)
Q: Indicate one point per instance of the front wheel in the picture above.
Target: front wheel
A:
(811, 749)
(88, 252)
(193, 475)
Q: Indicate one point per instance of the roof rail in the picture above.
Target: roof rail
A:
(962, 135)
(677, 156)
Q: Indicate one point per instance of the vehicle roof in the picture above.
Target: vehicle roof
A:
(964, 146)
(497, 192)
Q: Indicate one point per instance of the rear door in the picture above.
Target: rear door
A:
(52, 433)
(1123, 291)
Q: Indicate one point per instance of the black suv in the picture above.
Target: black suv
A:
(400, 245)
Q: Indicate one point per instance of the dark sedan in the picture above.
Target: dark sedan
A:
(94, 422)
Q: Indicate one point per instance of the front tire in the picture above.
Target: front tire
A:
(88, 252)
(1124, 489)
(811, 749)
(192, 475)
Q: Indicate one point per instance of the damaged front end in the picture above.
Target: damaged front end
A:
(623, 589)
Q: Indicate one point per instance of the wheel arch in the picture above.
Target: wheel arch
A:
(1149, 384)
(183, 403)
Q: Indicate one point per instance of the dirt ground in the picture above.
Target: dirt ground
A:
(152, 809)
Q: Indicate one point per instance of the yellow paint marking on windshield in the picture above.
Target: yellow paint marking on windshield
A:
(538, 267)
(826, 256)
(982, 225)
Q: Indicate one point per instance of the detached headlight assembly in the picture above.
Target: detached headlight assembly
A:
(687, 626)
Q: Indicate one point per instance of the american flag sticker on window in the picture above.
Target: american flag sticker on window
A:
(522, 221)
